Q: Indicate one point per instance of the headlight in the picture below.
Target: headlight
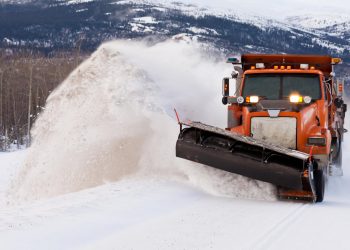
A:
(295, 98)
(252, 99)
(317, 141)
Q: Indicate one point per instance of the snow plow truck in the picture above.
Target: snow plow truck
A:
(285, 124)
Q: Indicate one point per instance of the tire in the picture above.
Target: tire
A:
(320, 183)
(338, 159)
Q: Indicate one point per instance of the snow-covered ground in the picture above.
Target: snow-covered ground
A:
(272, 9)
(318, 21)
(101, 173)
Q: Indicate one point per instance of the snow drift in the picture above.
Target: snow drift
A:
(113, 117)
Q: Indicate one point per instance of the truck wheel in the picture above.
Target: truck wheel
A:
(337, 161)
(320, 182)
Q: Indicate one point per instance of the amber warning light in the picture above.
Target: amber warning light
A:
(295, 98)
(340, 88)
(252, 99)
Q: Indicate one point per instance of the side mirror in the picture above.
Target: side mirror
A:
(225, 90)
(226, 87)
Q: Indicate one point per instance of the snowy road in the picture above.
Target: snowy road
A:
(139, 213)
(102, 174)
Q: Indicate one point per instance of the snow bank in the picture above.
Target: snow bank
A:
(113, 118)
(9, 168)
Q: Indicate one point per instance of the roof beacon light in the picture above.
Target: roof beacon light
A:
(304, 66)
(260, 65)
(295, 98)
(233, 60)
(336, 61)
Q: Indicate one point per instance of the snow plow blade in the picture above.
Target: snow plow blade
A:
(225, 150)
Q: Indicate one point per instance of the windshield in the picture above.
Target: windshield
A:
(281, 86)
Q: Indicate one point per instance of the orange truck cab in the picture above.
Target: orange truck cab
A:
(293, 101)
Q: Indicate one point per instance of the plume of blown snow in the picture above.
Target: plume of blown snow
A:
(113, 118)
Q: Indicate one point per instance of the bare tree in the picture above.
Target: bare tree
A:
(26, 80)
(29, 102)
(2, 132)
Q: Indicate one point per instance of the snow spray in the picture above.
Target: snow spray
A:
(113, 118)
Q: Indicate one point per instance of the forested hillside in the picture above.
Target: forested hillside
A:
(26, 80)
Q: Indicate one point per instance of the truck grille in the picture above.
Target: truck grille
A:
(279, 131)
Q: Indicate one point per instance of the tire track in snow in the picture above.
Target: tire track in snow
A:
(263, 241)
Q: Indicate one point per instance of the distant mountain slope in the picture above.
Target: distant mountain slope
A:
(61, 24)
(318, 21)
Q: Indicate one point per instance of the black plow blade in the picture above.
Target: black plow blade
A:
(218, 148)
